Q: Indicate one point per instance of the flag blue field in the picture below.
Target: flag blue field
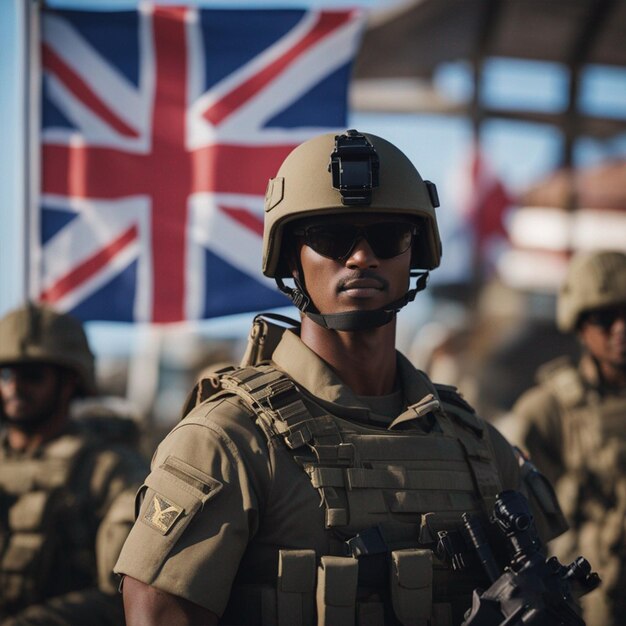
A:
(160, 128)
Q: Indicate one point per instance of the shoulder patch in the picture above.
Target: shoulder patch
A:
(162, 513)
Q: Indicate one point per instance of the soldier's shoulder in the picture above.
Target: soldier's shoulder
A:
(558, 384)
(216, 411)
(455, 404)
(212, 391)
(555, 367)
(106, 422)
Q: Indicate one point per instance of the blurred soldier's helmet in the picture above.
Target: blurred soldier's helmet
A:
(38, 334)
(594, 281)
(350, 173)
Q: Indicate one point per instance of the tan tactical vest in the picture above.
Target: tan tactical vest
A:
(46, 545)
(592, 490)
(388, 493)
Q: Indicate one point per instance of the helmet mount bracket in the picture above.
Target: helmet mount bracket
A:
(354, 167)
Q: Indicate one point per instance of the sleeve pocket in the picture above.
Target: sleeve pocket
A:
(175, 492)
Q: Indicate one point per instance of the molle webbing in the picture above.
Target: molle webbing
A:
(278, 404)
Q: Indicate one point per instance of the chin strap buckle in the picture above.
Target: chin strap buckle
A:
(354, 166)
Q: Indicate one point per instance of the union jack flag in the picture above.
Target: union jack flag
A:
(160, 129)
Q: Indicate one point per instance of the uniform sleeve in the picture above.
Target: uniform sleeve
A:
(201, 505)
(520, 475)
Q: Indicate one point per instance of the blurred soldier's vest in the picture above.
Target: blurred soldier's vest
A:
(592, 490)
(387, 492)
(48, 525)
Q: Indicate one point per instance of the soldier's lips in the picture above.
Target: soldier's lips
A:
(362, 288)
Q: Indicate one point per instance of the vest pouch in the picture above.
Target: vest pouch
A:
(337, 579)
(31, 511)
(25, 565)
(295, 589)
(411, 582)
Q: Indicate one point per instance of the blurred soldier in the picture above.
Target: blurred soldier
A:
(573, 426)
(65, 485)
(262, 498)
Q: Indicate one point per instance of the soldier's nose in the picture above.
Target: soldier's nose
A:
(361, 255)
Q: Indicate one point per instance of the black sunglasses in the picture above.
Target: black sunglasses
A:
(336, 240)
(33, 373)
(605, 318)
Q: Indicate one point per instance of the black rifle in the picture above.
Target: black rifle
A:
(530, 590)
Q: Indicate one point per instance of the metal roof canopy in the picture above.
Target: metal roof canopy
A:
(412, 39)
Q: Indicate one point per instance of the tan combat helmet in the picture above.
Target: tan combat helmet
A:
(38, 334)
(338, 175)
(303, 187)
(594, 280)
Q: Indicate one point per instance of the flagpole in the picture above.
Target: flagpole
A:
(32, 87)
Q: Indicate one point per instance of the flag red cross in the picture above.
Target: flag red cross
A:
(168, 172)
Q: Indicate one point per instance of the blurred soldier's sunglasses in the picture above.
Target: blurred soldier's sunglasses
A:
(33, 373)
(336, 240)
(605, 318)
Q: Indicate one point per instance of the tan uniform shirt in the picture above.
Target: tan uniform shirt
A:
(220, 496)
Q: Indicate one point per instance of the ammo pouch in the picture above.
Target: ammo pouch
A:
(329, 589)
(295, 589)
(411, 582)
(27, 557)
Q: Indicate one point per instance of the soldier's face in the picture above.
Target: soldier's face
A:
(360, 280)
(30, 393)
(604, 334)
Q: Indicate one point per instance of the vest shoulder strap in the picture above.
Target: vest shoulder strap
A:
(456, 405)
(274, 399)
(265, 334)
(204, 390)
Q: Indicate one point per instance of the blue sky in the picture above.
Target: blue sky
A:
(520, 153)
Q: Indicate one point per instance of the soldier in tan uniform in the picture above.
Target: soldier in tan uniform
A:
(66, 487)
(573, 425)
(310, 487)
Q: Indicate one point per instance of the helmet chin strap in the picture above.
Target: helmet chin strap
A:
(351, 320)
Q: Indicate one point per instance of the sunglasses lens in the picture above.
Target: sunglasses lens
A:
(335, 241)
(331, 240)
(389, 239)
(34, 374)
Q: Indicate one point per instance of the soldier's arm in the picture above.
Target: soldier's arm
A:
(534, 426)
(148, 606)
(199, 509)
